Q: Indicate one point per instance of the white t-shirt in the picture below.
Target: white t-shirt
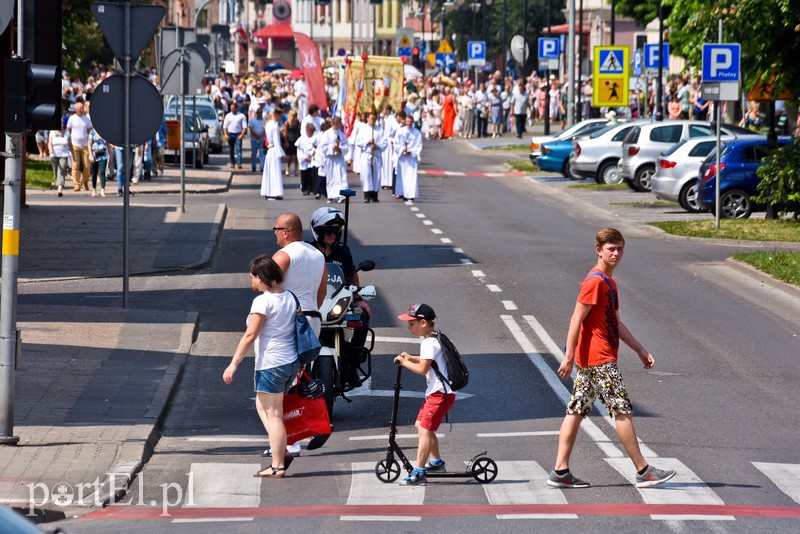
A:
(60, 144)
(304, 274)
(275, 344)
(78, 130)
(234, 123)
(430, 349)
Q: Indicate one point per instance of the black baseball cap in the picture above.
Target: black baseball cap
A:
(418, 311)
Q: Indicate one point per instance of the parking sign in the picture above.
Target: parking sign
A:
(476, 53)
(652, 57)
(721, 62)
(548, 52)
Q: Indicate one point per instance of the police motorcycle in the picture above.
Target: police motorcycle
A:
(345, 361)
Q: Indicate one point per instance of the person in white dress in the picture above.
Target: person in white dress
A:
(389, 126)
(334, 147)
(301, 92)
(306, 146)
(371, 143)
(407, 147)
(271, 178)
(355, 152)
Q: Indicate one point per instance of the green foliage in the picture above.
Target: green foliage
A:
(642, 11)
(780, 177)
(783, 265)
(38, 174)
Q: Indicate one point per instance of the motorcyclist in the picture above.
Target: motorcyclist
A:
(326, 227)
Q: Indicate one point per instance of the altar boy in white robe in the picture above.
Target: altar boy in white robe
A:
(372, 144)
(334, 147)
(272, 178)
(407, 148)
(389, 126)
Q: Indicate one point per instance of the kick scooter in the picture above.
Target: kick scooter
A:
(482, 468)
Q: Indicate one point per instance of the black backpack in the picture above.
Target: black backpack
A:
(457, 372)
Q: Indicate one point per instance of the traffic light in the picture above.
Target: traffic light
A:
(415, 58)
(22, 108)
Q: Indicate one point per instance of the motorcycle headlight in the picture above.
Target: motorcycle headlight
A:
(339, 309)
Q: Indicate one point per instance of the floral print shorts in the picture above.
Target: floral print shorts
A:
(604, 381)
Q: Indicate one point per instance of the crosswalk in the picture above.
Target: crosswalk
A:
(519, 492)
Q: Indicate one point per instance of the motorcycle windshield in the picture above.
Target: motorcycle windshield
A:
(335, 279)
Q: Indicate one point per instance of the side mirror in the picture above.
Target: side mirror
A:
(366, 265)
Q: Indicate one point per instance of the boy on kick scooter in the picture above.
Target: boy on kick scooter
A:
(438, 401)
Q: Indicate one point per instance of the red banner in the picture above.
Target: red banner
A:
(309, 57)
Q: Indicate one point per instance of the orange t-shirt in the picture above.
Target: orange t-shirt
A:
(598, 339)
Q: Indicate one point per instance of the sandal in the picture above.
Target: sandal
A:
(287, 460)
(271, 472)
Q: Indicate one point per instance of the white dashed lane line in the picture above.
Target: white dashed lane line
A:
(509, 305)
(478, 274)
(493, 288)
(436, 231)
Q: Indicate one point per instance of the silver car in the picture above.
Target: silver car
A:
(580, 128)
(597, 156)
(203, 106)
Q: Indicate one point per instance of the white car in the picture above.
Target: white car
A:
(677, 171)
(580, 128)
(597, 156)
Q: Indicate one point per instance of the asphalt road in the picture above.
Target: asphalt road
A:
(500, 259)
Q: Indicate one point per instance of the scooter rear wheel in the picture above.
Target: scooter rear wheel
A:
(388, 470)
(484, 470)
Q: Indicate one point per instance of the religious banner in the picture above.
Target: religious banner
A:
(312, 68)
(373, 82)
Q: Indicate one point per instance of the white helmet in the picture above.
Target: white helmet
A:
(326, 218)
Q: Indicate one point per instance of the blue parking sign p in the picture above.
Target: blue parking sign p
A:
(477, 50)
(721, 62)
(548, 48)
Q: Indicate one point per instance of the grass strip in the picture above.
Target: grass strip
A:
(738, 229)
(783, 265)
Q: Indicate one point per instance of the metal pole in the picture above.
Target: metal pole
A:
(571, 64)
(613, 20)
(352, 27)
(330, 8)
(182, 61)
(126, 219)
(312, 8)
(718, 113)
(523, 71)
(546, 117)
(659, 81)
(505, 41)
(374, 28)
(578, 103)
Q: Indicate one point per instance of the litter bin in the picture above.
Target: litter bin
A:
(173, 135)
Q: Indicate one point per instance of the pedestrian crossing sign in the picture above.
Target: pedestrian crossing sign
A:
(611, 73)
(404, 41)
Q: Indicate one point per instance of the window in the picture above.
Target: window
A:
(666, 134)
(621, 134)
(703, 149)
(633, 136)
(699, 131)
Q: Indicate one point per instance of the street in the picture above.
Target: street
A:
(500, 259)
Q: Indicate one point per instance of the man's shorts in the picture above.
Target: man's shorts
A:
(604, 381)
(277, 379)
(434, 409)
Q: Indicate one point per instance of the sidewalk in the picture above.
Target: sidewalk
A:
(93, 384)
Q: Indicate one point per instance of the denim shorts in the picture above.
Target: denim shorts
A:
(277, 379)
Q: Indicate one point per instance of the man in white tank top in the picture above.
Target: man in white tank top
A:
(303, 266)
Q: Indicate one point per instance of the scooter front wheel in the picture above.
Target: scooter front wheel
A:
(387, 470)
(484, 470)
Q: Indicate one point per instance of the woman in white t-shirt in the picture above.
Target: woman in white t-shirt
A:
(58, 146)
(271, 330)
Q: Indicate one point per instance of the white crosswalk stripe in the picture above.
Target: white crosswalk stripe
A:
(685, 488)
(785, 476)
(221, 485)
(523, 482)
(365, 488)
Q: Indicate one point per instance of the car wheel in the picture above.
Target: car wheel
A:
(608, 173)
(688, 197)
(205, 156)
(642, 178)
(566, 171)
(198, 163)
(735, 204)
(631, 185)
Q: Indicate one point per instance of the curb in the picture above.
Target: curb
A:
(137, 452)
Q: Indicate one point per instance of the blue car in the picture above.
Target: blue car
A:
(555, 157)
(738, 163)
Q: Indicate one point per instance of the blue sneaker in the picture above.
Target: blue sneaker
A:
(435, 466)
(415, 478)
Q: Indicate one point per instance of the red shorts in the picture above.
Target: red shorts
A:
(434, 409)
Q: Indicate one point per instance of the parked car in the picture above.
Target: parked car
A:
(578, 128)
(195, 140)
(597, 156)
(738, 162)
(203, 106)
(644, 143)
(676, 171)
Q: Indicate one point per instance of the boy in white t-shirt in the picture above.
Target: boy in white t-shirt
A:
(438, 401)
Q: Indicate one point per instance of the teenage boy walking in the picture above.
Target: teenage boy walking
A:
(595, 331)
(437, 401)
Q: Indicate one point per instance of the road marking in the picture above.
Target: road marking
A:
(421, 215)
(427, 222)
(684, 488)
(414, 208)
(466, 261)
(211, 519)
(385, 437)
(517, 434)
(478, 274)
(225, 485)
(366, 489)
(785, 476)
(494, 288)
(523, 483)
(436, 231)
(558, 354)
(446, 240)
(457, 250)
(386, 339)
(601, 440)
(509, 305)
(227, 439)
